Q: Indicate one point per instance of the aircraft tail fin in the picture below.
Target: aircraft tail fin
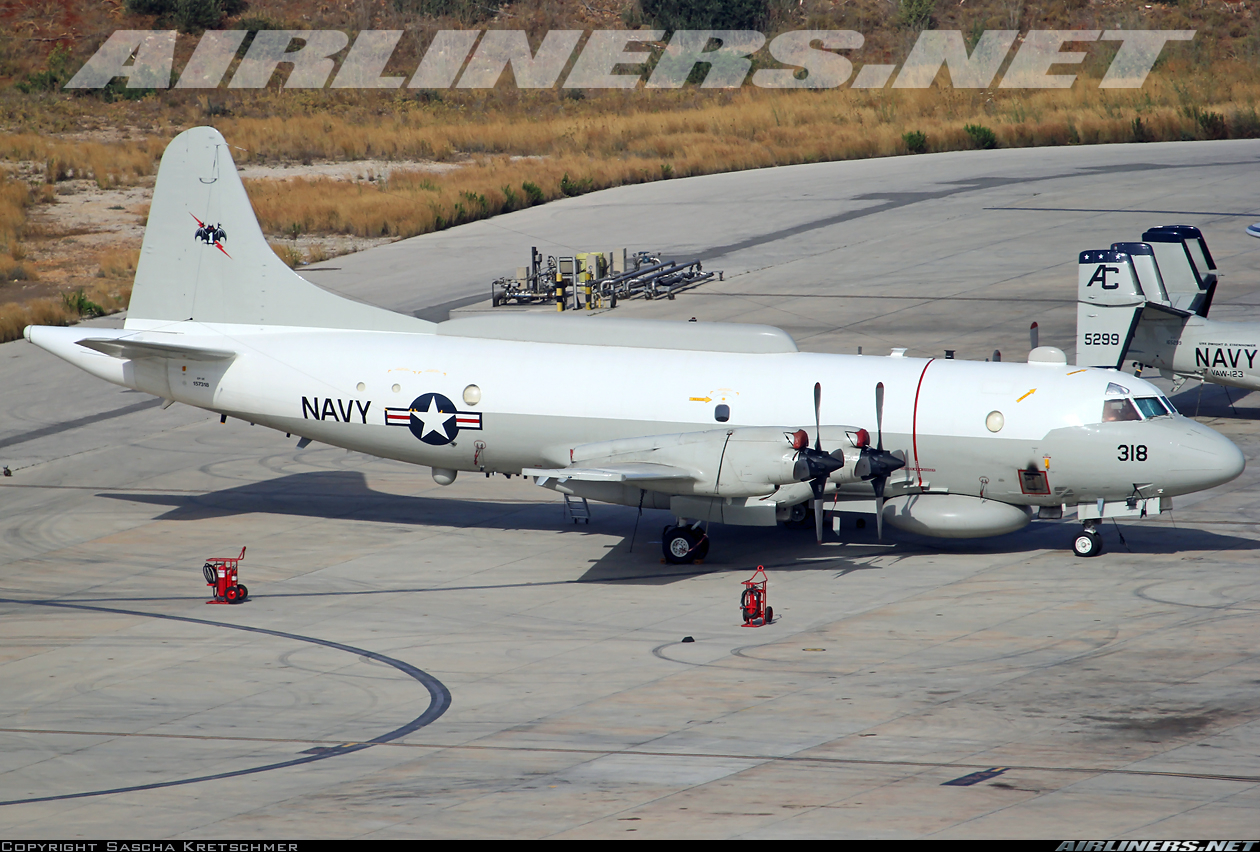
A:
(1109, 304)
(1186, 264)
(205, 258)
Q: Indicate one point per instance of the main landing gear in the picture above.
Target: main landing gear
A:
(1088, 542)
(684, 544)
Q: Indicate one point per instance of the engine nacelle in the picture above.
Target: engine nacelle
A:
(954, 515)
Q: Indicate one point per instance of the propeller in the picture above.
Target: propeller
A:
(878, 464)
(814, 464)
(1033, 337)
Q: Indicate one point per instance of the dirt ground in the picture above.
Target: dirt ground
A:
(72, 237)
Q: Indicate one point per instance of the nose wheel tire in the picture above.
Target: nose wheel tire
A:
(683, 545)
(1087, 543)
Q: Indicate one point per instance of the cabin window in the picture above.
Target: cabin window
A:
(1119, 409)
(1150, 406)
(722, 413)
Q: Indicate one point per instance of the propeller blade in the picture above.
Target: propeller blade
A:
(879, 414)
(818, 518)
(879, 505)
(817, 416)
(1033, 337)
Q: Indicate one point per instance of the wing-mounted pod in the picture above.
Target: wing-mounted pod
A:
(1189, 273)
(1109, 303)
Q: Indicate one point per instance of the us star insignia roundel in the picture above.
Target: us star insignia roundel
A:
(433, 419)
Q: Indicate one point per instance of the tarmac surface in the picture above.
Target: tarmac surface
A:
(419, 661)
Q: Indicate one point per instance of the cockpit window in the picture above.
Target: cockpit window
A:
(1150, 406)
(1112, 387)
(1119, 409)
(1167, 404)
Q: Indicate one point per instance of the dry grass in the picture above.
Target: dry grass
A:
(16, 316)
(118, 263)
(646, 140)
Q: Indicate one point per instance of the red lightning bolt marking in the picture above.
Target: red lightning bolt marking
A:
(220, 247)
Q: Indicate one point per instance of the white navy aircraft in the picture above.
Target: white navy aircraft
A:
(1147, 302)
(710, 421)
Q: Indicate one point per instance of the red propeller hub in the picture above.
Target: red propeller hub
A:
(863, 438)
(800, 439)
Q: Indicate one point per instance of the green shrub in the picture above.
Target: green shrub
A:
(533, 193)
(916, 14)
(981, 136)
(469, 11)
(82, 305)
(916, 141)
(707, 14)
(52, 78)
(188, 15)
(572, 187)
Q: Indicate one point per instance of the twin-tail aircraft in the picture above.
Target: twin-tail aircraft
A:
(709, 421)
(1148, 302)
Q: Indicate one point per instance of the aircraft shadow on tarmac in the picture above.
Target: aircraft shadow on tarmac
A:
(1205, 400)
(636, 558)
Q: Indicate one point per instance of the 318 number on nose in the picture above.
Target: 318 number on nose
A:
(1132, 452)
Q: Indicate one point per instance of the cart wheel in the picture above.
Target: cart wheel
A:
(207, 571)
(769, 615)
(232, 593)
(245, 592)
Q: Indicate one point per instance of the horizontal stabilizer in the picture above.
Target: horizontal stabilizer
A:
(628, 472)
(134, 349)
(1156, 309)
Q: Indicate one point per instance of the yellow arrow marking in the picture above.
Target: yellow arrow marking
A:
(1025, 396)
(701, 399)
(1074, 372)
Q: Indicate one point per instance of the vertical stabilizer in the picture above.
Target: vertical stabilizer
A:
(1109, 304)
(1142, 258)
(1186, 264)
(205, 258)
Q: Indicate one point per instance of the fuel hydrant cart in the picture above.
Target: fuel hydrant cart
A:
(752, 603)
(221, 575)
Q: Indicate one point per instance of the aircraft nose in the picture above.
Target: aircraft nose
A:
(1202, 457)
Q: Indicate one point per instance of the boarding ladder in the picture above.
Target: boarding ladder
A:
(577, 509)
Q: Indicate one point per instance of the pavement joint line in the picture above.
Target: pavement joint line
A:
(836, 761)
(439, 703)
(1000, 299)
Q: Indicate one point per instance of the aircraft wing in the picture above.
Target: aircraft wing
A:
(133, 349)
(618, 472)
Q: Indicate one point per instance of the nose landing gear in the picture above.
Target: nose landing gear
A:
(1088, 542)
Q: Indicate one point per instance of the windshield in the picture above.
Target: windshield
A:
(1119, 409)
(1150, 406)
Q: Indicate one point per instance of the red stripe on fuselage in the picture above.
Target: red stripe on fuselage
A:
(914, 423)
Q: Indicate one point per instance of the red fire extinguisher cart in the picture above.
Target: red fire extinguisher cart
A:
(221, 575)
(752, 602)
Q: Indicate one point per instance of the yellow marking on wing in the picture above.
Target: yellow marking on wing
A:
(700, 399)
(1074, 372)
(1025, 396)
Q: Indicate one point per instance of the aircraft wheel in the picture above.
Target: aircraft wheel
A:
(1087, 543)
(800, 516)
(679, 545)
